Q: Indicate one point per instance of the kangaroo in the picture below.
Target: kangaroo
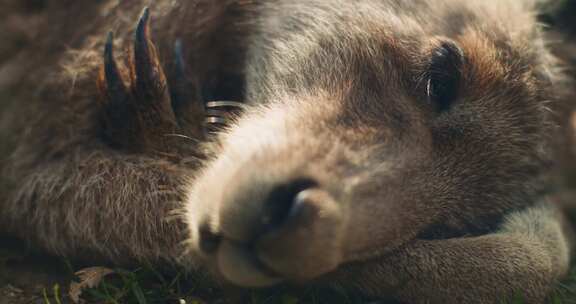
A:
(402, 150)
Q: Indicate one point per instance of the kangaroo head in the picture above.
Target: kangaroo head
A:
(360, 140)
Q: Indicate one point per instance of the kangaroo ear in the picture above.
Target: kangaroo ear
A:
(443, 73)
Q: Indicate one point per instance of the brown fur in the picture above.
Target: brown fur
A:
(400, 201)
(57, 132)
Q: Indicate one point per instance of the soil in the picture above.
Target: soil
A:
(26, 276)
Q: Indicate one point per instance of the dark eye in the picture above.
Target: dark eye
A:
(444, 74)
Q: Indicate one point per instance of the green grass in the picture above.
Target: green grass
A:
(55, 297)
(145, 285)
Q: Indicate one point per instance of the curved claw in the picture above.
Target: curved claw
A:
(114, 82)
(180, 92)
(142, 29)
(142, 42)
(149, 76)
(179, 58)
(150, 85)
(115, 112)
(186, 99)
(182, 86)
(151, 97)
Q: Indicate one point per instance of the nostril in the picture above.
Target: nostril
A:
(309, 242)
(209, 241)
(282, 202)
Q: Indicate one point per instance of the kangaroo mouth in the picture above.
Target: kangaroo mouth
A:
(239, 264)
(304, 245)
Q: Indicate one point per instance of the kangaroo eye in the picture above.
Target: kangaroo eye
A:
(444, 74)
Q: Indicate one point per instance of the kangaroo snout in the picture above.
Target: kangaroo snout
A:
(272, 231)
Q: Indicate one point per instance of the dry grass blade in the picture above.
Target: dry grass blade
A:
(89, 278)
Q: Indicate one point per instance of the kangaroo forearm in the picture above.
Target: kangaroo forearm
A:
(503, 268)
(116, 206)
(523, 259)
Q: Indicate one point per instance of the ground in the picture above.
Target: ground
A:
(27, 277)
(31, 278)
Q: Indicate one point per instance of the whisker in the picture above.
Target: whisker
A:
(183, 136)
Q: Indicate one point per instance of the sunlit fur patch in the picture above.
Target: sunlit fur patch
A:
(265, 132)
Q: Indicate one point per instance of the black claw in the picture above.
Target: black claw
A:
(181, 84)
(179, 58)
(109, 48)
(114, 82)
(142, 30)
(150, 90)
(116, 117)
(145, 61)
(142, 39)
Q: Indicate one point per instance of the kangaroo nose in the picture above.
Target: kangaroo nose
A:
(284, 202)
(281, 203)
(307, 242)
(289, 231)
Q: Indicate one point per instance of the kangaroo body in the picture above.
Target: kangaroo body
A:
(401, 150)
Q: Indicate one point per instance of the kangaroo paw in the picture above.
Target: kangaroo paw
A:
(143, 111)
(140, 112)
